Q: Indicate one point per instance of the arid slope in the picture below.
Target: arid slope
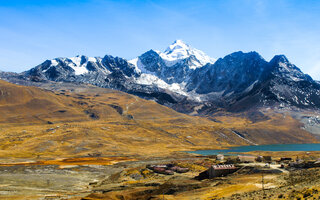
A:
(73, 121)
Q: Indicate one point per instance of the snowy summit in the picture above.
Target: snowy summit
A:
(179, 50)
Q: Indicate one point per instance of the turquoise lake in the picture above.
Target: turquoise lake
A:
(271, 147)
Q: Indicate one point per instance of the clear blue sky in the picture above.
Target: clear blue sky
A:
(32, 31)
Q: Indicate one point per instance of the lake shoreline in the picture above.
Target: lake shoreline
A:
(308, 147)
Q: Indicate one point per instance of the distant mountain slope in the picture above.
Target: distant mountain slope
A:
(81, 120)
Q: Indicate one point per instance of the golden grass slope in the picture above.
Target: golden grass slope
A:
(30, 105)
(90, 121)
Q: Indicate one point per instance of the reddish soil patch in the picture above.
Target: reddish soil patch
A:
(75, 161)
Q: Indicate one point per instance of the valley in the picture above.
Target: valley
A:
(79, 121)
(68, 141)
(91, 127)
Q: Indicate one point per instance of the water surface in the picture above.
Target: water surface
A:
(271, 147)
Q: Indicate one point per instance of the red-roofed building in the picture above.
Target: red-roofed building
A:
(220, 170)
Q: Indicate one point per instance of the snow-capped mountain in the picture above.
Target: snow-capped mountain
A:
(174, 65)
(179, 51)
(184, 78)
(94, 70)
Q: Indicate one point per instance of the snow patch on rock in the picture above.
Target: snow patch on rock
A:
(149, 79)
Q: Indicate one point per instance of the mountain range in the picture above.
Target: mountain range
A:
(188, 80)
(244, 95)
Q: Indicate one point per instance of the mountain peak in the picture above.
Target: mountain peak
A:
(180, 50)
(177, 45)
(179, 53)
(179, 41)
(279, 59)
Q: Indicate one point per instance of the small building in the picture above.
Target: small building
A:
(220, 170)
(179, 169)
(161, 170)
(212, 156)
(259, 159)
(267, 159)
(246, 159)
(297, 164)
(317, 163)
(220, 157)
(285, 159)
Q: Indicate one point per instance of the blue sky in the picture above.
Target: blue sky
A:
(35, 30)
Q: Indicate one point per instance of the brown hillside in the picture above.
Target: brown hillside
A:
(29, 105)
(91, 121)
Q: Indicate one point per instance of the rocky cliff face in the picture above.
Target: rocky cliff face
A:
(243, 80)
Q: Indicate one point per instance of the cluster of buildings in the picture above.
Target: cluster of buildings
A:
(167, 169)
(246, 158)
(224, 167)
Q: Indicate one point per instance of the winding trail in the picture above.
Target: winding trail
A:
(125, 112)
